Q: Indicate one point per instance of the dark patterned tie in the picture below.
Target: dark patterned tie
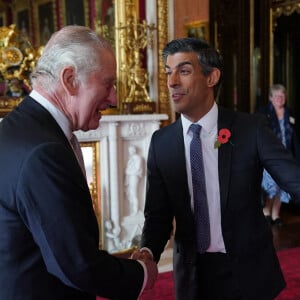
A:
(199, 191)
(77, 150)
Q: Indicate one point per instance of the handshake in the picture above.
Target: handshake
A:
(151, 266)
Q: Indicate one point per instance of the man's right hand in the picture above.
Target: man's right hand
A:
(152, 271)
(150, 264)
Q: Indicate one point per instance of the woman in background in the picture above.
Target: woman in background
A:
(283, 124)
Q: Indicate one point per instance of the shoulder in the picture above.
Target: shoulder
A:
(168, 130)
(167, 137)
(240, 118)
(264, 109)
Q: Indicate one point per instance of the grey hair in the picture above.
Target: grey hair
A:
(276, 87)
(75, 46)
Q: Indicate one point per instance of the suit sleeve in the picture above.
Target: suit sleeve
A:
(158, 212)
(55, 204)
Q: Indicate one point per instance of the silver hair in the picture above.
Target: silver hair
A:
(73, 45)
(276, 87)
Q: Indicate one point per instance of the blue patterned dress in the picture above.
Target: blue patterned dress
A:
(268, 184)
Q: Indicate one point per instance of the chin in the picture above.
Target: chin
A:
(94, 124)
(178, 110)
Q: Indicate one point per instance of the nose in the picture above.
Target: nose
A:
(112, 97)
(173, 79)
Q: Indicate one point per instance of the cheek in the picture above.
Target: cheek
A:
(87, 105)
(92, 97)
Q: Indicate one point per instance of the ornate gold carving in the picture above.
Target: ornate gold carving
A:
(134, 37)
(106, 31)
(134, 40)
(12, 56)
(7, 104)
(163, 37)
(133, 79)
(286, 7)
(17, 57)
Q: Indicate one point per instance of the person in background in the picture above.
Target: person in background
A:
(48, 228)
(282, 122)
(234, 256)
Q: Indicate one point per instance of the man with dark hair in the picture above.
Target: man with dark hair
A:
(205, 171)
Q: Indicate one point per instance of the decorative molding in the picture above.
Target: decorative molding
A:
(120, 225)
(164, 106)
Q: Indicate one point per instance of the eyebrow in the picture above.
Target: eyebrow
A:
(179, 65)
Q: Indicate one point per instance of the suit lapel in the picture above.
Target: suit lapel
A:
(177, 169)
(42, 116)
(225, 120)
(177, 154)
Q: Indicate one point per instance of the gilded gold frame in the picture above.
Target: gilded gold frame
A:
(91, 154)
(198, 29)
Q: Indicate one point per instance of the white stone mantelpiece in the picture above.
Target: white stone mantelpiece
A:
(117, 135)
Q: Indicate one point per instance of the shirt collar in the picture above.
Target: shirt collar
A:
(208, 122)
(59, 117)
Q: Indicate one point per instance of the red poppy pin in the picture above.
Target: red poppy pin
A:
(223, 137)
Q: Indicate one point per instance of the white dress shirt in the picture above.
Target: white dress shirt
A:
(59, 117)
(208, 135)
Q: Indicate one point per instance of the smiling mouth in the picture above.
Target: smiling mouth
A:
(107, 107)
(175, 93)
(177, 96)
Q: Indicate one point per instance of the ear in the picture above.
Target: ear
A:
(214, 77)
(68, 80)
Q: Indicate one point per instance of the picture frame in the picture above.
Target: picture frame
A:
(91, 154)
(45, 20)
(21, 17)
(76, 12)
(23, 22)
(198, 29)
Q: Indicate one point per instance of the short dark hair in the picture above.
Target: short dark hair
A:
(208, 57)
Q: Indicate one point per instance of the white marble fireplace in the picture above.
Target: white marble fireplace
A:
(115, 156)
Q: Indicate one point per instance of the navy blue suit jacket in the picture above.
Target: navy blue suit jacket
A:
(48, 229)
(247, 236)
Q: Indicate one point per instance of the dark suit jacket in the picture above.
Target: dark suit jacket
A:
(48, 229)
(247, 236)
